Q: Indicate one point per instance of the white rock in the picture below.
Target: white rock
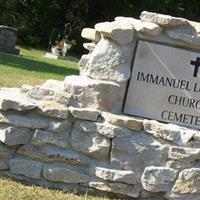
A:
(62, 98)
(107, 62)
(60, 126)
(41, 138)
(26, 121)
(26, 167)
(53, 154)
(184, 155)
(53, 109)
(123, 176)
(64, 175)
(82, 64)
(119, 188)
(137, 152)
(89, 46)
(176, 134)
(54, 85)
(105, 129)
(195, 141)
(97, 94)
(14, 136)
(7, 104)
(11, 98)
(119, 31)
(148, 28)
(188, 182)
(90, 34)
(125, 121)
(39, 93)
(85, 113)
(91, 144)
(158, 179)
(163, 20)
(185, 33)
(128, 51)
(25, 88)
(175, 164)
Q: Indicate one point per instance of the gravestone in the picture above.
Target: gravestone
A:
(8, 38)
(127, 126)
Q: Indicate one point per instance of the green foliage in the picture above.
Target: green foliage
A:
(35, 19)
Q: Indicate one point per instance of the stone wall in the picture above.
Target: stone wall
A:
(8, 39)
(72, 134)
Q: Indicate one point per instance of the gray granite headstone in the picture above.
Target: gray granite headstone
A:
(165, 84)
(8, 38)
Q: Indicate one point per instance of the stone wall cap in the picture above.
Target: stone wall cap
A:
(162, 19)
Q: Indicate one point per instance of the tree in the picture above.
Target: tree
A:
(35, 19)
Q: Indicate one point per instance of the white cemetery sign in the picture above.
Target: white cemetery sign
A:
(165, 84)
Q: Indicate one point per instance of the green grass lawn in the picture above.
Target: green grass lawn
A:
(31, 68)
(12, 190)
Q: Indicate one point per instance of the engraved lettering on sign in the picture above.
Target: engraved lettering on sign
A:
(164, 85)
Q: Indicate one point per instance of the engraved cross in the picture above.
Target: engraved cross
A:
(196, 64)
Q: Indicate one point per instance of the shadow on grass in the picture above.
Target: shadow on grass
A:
(35, 65)
(30, 48)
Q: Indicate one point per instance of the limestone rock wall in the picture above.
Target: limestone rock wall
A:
(72, 134)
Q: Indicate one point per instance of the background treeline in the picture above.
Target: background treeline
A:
(35, 19)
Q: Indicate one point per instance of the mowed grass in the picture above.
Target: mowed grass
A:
(30, 67)
(12, 190)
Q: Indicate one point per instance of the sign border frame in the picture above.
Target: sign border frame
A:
(132, 66)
